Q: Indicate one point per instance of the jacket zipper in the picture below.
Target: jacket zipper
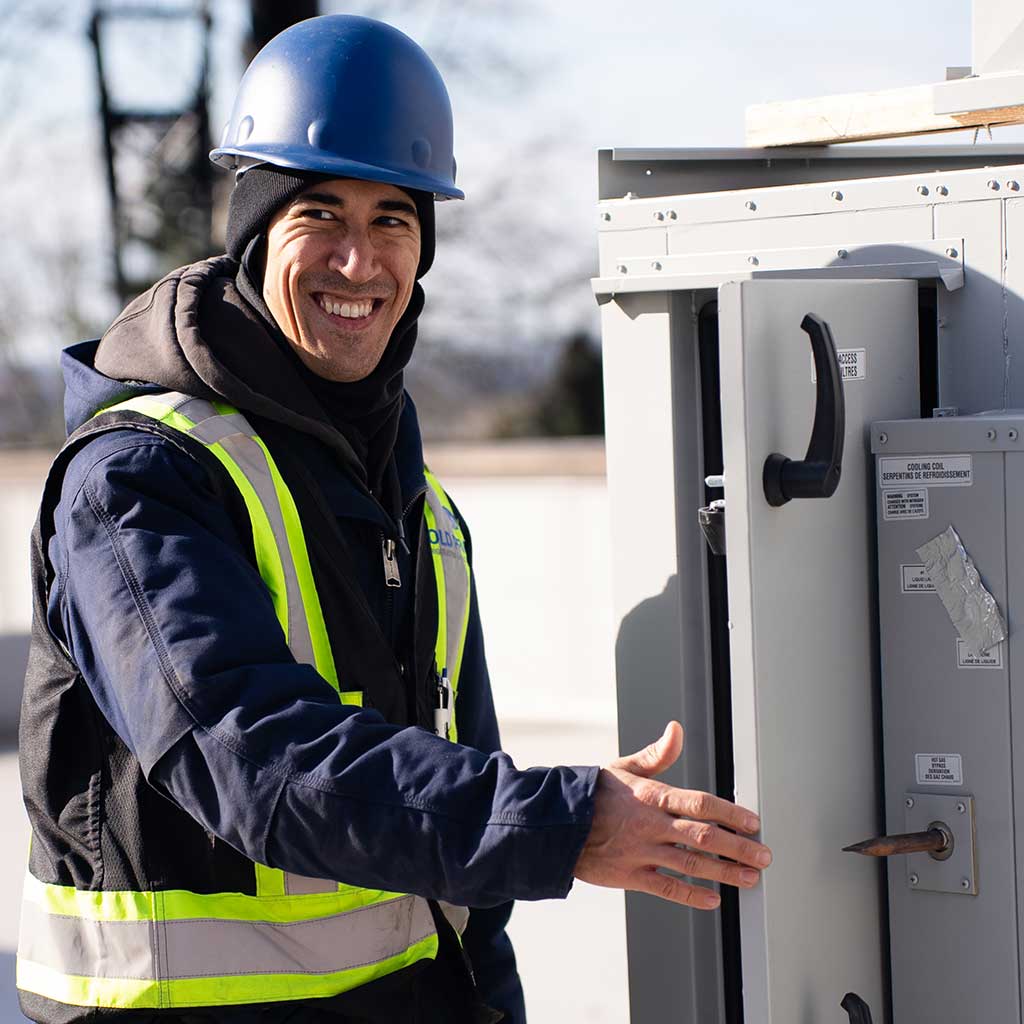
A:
(392, 577)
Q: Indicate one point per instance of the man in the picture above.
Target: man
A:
(258, 742)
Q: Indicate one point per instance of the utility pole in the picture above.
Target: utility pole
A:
(159, 178)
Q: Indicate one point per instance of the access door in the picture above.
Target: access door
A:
(803, 633)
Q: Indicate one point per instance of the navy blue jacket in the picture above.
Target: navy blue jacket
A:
(161, 608)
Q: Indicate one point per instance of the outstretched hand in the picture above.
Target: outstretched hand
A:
(641, 825)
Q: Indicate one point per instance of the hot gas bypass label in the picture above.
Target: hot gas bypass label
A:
(926, 471)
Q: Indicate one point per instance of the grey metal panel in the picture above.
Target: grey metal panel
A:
(653, 451)
(677, 172)
(839, 228)
(804, 667)
(1013, 299)
(954, 956)
(612, 246)
(950, 434)
(971, 320)
(1014, 466)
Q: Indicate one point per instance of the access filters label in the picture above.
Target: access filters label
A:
(926, 471)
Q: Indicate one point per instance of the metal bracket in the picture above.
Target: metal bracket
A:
(956, 872)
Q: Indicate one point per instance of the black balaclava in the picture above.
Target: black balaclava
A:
(366, 411)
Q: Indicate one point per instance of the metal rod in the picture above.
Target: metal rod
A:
(935, 840)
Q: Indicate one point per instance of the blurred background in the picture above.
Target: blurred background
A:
(109, 110)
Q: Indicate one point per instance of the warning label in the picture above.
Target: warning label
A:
(914, 579)
(905, 504)
(939, 769)
(853, 364)
(926, 471)
(966, 658)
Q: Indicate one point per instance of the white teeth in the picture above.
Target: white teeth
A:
(350, 310)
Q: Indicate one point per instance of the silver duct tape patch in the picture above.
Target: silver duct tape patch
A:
(972, 609)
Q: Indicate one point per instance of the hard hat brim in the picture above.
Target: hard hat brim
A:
(319, 162)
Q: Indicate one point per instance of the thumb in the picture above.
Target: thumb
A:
(656, 757)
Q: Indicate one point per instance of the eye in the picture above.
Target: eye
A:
(315, 213)
(391, 222)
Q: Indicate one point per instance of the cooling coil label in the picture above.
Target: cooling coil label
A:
(926, 471)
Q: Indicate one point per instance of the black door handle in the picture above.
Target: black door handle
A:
(817, 475)
(855, 1007)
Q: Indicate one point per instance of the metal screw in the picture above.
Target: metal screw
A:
(837, 196)
(606, 216)
(750, 204)
(621, 268)
(655, 265)
(1013, 186)
(913, 879)
(941, 190)
(752, 260)
(922, 190)
(842, 253)
(648, 172)
(630, 195)
(961, 807)
(951, 253)
(659, 215)
(993, 184)
(883, 439)
(910, 800)
(671, 214)
(965, 883)
(1012, 434)
(990, 434)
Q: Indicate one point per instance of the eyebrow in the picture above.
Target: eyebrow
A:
(329, 199)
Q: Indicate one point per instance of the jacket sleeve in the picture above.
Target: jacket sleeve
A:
(485, 939)
(177, 639)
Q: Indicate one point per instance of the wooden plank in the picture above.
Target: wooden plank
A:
(855, 117)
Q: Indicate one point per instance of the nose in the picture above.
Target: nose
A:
(355, 257)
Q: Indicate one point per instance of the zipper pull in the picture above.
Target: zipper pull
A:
(443, 707)
(391, 576)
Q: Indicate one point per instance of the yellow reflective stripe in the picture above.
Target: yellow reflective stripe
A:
(351, 697)
(182, 905)
(441, 641)
(322, 652)
(269, 881)
(268, 558)
(155, 408)
(217, 990)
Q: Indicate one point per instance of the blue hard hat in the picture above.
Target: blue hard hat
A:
(345, 96)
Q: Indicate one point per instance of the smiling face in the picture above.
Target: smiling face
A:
(341, 265)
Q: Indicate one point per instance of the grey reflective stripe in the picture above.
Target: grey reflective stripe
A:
(458, 917)
(456, 583)
(303, 885)
(210, 947)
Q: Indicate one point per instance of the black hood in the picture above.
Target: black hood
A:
(193, 332)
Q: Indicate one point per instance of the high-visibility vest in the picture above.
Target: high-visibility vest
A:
(297, 937)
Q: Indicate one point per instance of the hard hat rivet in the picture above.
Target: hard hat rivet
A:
(913, 879)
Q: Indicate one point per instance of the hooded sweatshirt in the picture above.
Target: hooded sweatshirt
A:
(150, 586)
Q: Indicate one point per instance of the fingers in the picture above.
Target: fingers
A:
(691, 803)
(697, 865)
(656, 756)
(674, 889)
(707, 838)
